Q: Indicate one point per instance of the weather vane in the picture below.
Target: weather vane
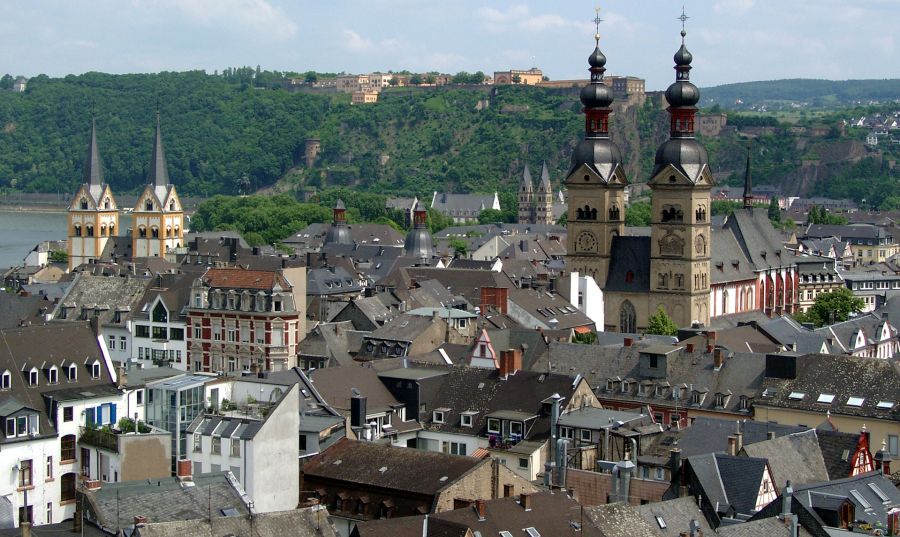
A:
(683, 18)
(597, 21)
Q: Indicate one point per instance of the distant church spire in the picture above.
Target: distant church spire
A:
(545, 178)
(93, 168)
(748, 184)
(158, 175)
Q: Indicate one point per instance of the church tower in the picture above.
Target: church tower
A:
(596, 181)
(158, 216)
(680, 227)
(543, 202)
(93, 216)
(526, 198)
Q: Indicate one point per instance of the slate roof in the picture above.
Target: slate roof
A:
(483, 391)
(833, 445)
(462, 204)
(105, 294)
(410, 470)
(331, 281)
(503, 229)
(531, 342)
(237, 278)
(59, 344)
(629, 255)
(163, 500)
(312, 237)
(729, 481)
(872, 379)
(708, 435)
(677, 515)
(619, 520)
(18, 310)
(845, 232)
(335, 384)
(309, 522)
(173, 289)
(795, 457)
(467, 283)
(740, 375)
(763, 527)
(432, 293)
(792, 334)
(544, 306)
(728, 261)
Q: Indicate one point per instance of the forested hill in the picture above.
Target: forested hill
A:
(217, 132)
(817, 93)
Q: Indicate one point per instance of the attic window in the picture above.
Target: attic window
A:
(5, 381)
(661, 522)
(95, 370)
(855, 401)
(860, 500)
(825, 398)
(796, 396)
(532, 532)
(33, 377)
(72, 372)
(438, 416)
(885, 405)
(878, 492)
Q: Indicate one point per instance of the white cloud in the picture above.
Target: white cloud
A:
(520, 17)
(259, 15)
(355, 42)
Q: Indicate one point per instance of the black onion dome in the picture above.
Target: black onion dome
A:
(682, 93)
(686, 154)
(418, 243)
(602, 155)
(596, 96)
(683, 56)
(338, 234)
(597, 59)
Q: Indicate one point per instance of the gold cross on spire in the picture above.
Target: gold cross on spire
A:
(597, 21)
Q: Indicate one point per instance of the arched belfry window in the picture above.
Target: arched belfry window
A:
(627, 318)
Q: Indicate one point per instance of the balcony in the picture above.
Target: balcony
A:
(103, 439)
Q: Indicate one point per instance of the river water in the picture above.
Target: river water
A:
(20, 231)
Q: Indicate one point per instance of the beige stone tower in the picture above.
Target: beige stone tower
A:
(680, 227)
(158, 217)
(596, 182)
(93, 216)
(526, 198)
(543, 201)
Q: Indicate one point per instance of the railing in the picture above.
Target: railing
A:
(99, 438)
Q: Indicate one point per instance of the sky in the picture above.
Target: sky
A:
(731, 40)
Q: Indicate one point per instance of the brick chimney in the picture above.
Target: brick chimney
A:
(718, 359)
(526, 501)
(690, 347)
(628, 342)
(184, 469)
(480, 510)
(710, 340)
(732, 445)
(140, 520)
(92, 484)
(510, 362)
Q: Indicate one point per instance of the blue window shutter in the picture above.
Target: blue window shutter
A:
(89, 416)
(112, 413)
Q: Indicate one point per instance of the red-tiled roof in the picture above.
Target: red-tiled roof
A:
(242, 279)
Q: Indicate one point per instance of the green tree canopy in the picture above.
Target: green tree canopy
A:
(489, 216)
(638, 214)
(832, 307)
(661, 324)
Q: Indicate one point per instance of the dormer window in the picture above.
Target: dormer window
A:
(438, 416)
(5, 381)
(467, 418)
(72, 372)
(744, 403)
(493, 426)
(720, 400)
(53, 375)
(95, 370)
(33, 377)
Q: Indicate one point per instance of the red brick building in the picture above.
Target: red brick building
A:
(238, 319)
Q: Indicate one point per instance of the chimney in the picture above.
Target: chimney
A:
(718, 359)
(675, 469)
(526, 501)
(122, 377)
(694, 528)
(184, 471)
(481, 510)
(739, 442)
(770, 435)
(628, 342)
(510, 362)
(690, 347)
(732, 445)
(25, 526)
(92, 484)
(358, 411)
(140, 520)
(786, 499)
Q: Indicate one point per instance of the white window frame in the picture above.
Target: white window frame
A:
(437, 416)
(493, 430)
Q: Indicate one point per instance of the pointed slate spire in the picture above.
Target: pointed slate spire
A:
(545, 178)
(158, 175)
(748, 184)
(93, 168)
(527, 183)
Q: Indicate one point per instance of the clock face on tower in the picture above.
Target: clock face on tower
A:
(586, 242)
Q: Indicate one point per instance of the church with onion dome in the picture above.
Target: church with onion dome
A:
(675, 267)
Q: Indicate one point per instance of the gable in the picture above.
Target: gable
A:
(148, 195)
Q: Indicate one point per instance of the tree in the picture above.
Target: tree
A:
(59, 256)
(563, 219)
(415, 80)
(586, 338)
(516, 79)
(832, 307)
(460, 247)
(637, 214)
(311, 77)
(489, 216)
(725, 207)
(774, 211)
(661, 324)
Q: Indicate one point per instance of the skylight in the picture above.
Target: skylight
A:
(878, 492)
(661, 522)
(860, 500)
(796, 396)
(825, 398)
(855, 401)
(885, 405)
(505, 534)
(532, 532)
